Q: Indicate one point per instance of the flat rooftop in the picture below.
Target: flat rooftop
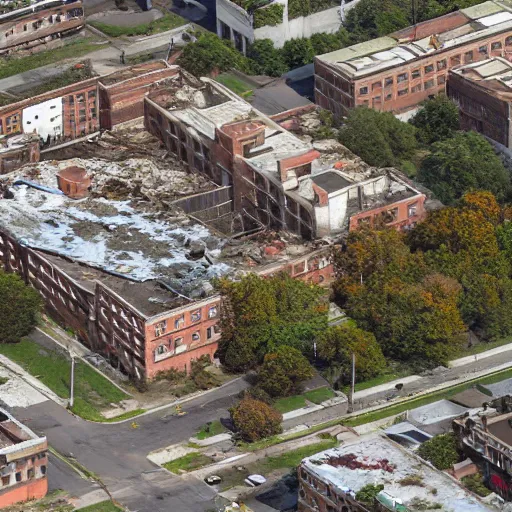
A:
(501, 427)
(430, 37)
(376, 460)
(331, 181)
(12, 432)
(494, 74)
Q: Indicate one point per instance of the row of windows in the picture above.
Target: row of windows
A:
(440, 65)
(388, 216)
(170, 348)
(179, 322)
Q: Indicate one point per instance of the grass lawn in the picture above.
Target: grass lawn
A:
(103, 506)
(291, 403)
(189, 462)
(167, 22)
(235, 84)
(285, 461)
(13, 66)
(215, 428)
(93, 392)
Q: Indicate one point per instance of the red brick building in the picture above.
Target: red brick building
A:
(23, 462)
(483, 94)
(397, 72)
(32, 26)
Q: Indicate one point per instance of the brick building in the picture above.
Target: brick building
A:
(23, 462)
(396, 73)
(483, 93)
(330, 480)
(278, 181)
(40, 23)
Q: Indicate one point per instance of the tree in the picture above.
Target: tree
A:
(19, 306)
(379, 138)
(337, 344)
(283, 372)
(255, 420)
(265, 59)
(437, 119)
(462, 163)
(209, 53)
(259, 315)
(298, 52)
(441, 451)
(324, 43)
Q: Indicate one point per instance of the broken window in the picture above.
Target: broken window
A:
(496, 45)
(455, 60)
(429, 69)
(178, 341)
(363, 221)
(212, 312)
(160, 328)
(391, 215)
(388, 81)
(179, 322)
(416, 88)
(416, 73)
(483, 50)
(6, 480)
(441, 80)
(300, 267)
(18, 476)
(209, 333)
(12, 123)
(411, 209)
(403, 92)
(468, 57)
(43, 470)
(508, 41)
(196, 336)
(402, 77)
(161, 349)
(31, 473)
(429, 84)
(389, 96)
(363, 90)
(441, 64)
(195, 316)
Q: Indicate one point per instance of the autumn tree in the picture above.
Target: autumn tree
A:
(259, 315)
(255, 420)
(19, 307)
(462, 163)
(336, 345)
(283, 372)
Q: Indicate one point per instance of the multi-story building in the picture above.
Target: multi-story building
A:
(483, 92)
(39, 23)
(396, 73)
(329, 481)
(23, 462)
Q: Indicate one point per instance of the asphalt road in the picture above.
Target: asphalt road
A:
(117, 453)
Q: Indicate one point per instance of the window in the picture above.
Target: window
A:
(196, 336)
(441, 64)
(429, 84)
(31, 473)
(24, 28)
(363, 221)
(483, 50)
(160, 328)
(428, 69)
(508, 41)
(179, 322)
(363, 90)
(389, 97)
(411, 209)
(212, 312)
(468, 57)
(299, 268)
(178, 341)
(43, 470)
(12, 123)
(376, 86)
(496, 46)
(162, 349)
(401, 78)
(416, 73)
(6, 480)
(388, 81)
(455, 60)
(18, 476)
(403, 92)
(377, 99)
(441, 80)
(195, 316)
(209, 333)
(416, 88)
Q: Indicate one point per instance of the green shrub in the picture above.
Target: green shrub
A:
(255, 420)
(265, 59)
(298, 52)
(268, 16)
(368, 493)
(475, 483)
(441, 451)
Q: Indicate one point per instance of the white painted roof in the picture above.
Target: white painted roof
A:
(494, 19)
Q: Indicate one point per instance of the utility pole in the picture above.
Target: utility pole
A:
(352, 385)
(72, 384)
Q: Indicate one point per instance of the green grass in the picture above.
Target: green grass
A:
(291, 403)
(215, 428)
(377, 381)
(317, 396)
(13, 66)
(483, 347)
(3, 380)
(235, 84)
(167, 22)
(92, 391)
(189, 462)
(104, 506)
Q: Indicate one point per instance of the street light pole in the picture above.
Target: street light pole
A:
(72, 384)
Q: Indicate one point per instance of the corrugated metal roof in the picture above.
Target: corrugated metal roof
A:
(480, 10)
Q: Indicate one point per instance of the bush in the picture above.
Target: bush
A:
(441, 451)
(256, 393)
(283, 371)
(255, 420)
(475, 483)
(268, 16)
(202, 378)
(19, 307)
(265, 59)
(368, 493)
(172, 375)
(298, 52)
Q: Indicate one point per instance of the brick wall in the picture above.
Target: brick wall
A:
(33, 490)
